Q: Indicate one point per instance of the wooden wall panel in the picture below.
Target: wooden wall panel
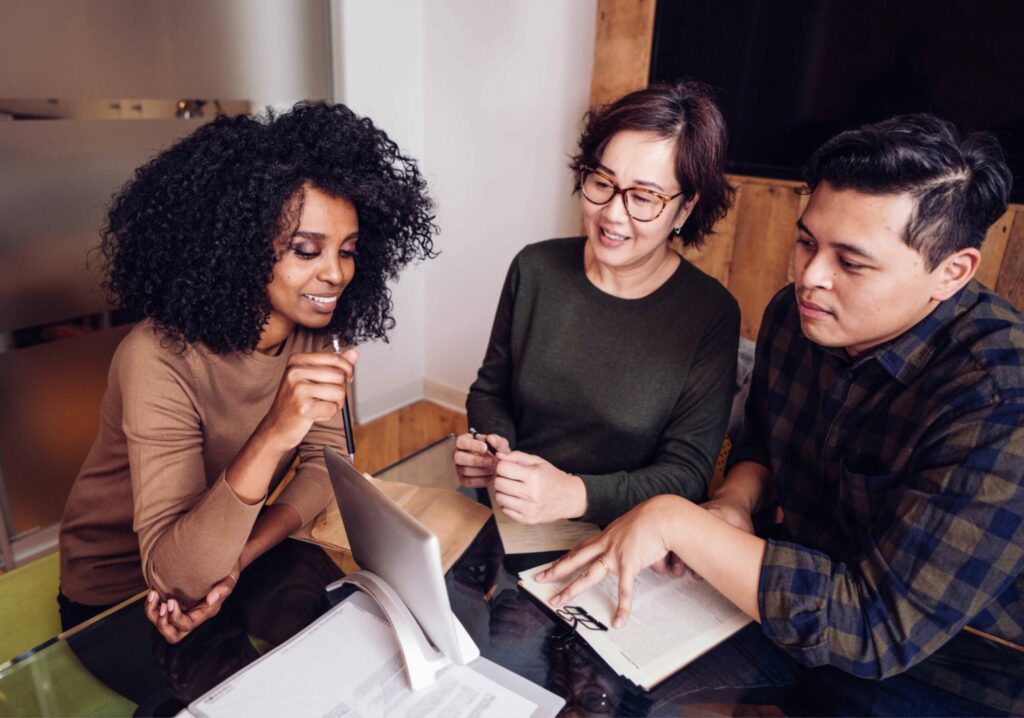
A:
(1011, 274)
(765, 219)
(994, 248)
(622, 48)
(715, 256)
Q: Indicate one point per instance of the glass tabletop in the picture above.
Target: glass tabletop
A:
(117, 664)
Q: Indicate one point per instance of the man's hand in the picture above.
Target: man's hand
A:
(533, 491)
(631, 543)
(174, 624)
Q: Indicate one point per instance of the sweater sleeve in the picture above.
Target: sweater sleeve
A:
(489, 404)
(190, 534)
(691, 441)
(310, 489)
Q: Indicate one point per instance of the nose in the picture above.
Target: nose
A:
(615, 210)
(817, 272)
(332, 269)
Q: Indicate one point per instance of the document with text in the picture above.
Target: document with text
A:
(674, 621)
(349, 663)
(559, 535)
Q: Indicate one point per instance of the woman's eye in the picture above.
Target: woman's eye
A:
(304, 253)
(601, 184)
(850, 265)
(805, 243)
(348, 253)
(641, 199)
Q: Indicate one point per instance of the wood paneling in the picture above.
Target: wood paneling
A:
(622, 48)
(765, 219)
(994, 249)
(1011, 273)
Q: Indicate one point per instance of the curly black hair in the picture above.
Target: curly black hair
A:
(190, 240)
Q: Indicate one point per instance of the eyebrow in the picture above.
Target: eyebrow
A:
(843, 246)
(639, 183)
(321, 237)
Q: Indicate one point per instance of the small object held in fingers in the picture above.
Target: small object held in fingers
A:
(482, 437)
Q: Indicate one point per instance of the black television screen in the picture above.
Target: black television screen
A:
(789, 74)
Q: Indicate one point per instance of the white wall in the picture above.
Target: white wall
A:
(506, 86)
(378, 49)
(488, 95)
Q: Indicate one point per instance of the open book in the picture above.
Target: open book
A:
(674, 621)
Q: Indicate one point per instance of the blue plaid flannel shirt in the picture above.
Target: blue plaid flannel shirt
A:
(901, 477)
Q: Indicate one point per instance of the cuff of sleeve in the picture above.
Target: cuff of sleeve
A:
(308, 492)
(793, 598)
(602, 501)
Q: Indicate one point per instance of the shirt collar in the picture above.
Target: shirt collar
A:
(908, 355)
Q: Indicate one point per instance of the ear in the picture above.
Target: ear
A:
(684, 212)
(954, 272)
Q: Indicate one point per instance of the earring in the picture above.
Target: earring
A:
(678, 231)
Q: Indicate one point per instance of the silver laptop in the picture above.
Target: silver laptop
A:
(388, 541)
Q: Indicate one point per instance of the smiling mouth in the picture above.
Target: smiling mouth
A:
(613, 237)
(322, 300)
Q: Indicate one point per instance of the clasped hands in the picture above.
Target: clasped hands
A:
(527, 488)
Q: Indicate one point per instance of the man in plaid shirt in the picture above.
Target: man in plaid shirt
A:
(885, 425)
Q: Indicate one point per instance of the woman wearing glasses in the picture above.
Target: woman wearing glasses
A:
(611, 361)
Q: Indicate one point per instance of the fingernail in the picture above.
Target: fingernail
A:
(163, 609)
(214, 597)
(172, 605)
(151, 597)
(617, 623)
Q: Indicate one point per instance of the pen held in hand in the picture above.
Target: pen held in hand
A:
(346, 413)
(482, 437)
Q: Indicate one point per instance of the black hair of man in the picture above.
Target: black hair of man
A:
(961, 185)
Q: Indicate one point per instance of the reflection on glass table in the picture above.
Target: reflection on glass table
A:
(118, 665)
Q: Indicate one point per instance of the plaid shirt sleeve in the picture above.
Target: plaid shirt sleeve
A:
(948, 542)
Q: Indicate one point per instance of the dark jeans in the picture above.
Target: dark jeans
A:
(72, 613)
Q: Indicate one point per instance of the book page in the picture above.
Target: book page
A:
(674, 620)
(349, 663)
(559, 535)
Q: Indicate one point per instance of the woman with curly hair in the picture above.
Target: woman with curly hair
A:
(243, 248)
(612, 359)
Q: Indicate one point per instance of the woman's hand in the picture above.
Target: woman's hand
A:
(174, 624)
(473, 462)
(312, 389)
(533, 491)
(631, 543)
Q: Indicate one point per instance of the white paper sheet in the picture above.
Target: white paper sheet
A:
(348, 664)
(674, 621)
(559, 535)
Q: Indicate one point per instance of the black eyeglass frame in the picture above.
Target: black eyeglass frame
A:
(616, 190)
(578, 616)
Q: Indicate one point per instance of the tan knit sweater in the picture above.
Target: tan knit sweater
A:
(150, 506)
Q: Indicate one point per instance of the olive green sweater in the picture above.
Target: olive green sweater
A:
(632, 395)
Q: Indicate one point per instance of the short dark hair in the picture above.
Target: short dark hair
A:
(685, 112)
(190, 239)
(961, 185)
